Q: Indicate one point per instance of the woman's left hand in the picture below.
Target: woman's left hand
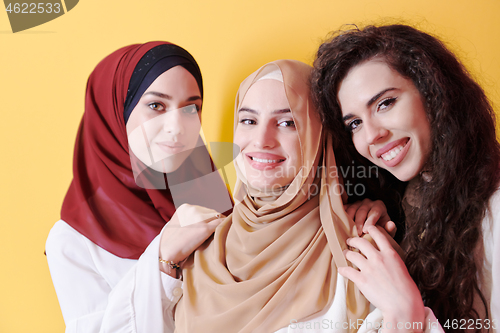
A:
(384, 279)
(368, 213)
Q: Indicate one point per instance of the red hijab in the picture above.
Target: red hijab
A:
(104, 203)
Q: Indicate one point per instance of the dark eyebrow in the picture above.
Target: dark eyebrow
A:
(165, 96)
(194, 98)
(377, 96)
(369, 103)
(347, 117)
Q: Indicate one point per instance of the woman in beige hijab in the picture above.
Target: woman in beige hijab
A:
(273, 262)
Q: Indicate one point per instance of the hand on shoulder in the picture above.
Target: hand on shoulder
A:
(189, 227)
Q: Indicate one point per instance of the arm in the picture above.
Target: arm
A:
(92, 284)
(373, 322)
(144, 300)
(83, 275)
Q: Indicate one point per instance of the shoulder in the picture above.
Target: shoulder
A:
(67, 242)
(68, 251)
(62, 234)
(492, 214)
(495, 200)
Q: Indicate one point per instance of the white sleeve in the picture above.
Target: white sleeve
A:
(100, 292)
(491, 238)
(143, 301)
(495, 285)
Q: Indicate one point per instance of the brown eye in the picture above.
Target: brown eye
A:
(245, 121)
(288, 123)
(353, 125)
(386, 103)
(156, 106)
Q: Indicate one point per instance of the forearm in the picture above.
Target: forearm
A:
(406, 315)
(144, 299)
(376, 322)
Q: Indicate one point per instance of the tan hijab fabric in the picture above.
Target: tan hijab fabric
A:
(274, 261)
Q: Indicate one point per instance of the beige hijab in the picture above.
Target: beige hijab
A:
(274, 261)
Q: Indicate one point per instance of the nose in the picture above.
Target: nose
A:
(173, 123)
(374, 131)
(265, 138)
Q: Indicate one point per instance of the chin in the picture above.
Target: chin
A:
(257, 184)
(405, 176)
(270, 188)
(260, 185)
(167, 165)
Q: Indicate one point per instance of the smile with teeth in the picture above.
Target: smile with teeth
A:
(261, 160)
(393, 152)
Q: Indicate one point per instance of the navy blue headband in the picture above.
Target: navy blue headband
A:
(154, 63)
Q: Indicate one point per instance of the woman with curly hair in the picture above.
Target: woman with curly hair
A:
(404, 102)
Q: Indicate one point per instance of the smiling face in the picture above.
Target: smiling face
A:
(267, 137)
(385, 113)
(164, 126)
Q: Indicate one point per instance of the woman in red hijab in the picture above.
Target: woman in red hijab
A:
(138, 156)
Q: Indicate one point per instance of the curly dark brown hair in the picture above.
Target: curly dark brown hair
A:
(442, 235)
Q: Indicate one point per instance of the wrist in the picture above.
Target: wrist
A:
(171, 255)
(405, 321)
(397, 325)
(170, 267)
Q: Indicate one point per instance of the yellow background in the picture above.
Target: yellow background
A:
(43, 73)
